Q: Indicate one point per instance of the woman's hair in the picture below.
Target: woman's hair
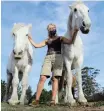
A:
(48, 27)
(50, 24)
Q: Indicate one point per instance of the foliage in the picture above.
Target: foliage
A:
(29, 93)
(89, 84)
(3, 89)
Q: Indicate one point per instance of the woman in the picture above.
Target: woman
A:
(53, 61)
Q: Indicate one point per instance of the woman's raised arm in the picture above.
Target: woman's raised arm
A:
(70, 41)
(39, 45)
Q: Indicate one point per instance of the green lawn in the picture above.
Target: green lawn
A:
(7, 107)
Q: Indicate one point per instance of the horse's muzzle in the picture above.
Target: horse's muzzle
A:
(83, 30)
(17, 57)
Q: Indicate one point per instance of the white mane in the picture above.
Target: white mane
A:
(76, 3)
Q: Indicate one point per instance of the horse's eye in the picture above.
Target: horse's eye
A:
(13, 34)
(88, 10)
(26, 34)
(75, 10)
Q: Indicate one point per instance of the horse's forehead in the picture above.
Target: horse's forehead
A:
(25, 28)
(19, 27)
(22, 30)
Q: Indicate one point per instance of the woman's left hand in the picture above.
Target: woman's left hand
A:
(29, 37)
(76, 29)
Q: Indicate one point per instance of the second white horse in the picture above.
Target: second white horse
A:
(73, 54)
(20, 62)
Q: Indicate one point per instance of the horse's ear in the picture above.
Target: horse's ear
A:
(70, 6)
(30, 26)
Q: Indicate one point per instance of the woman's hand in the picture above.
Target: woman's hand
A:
(70, 41)
(76, 29)
(29, 37)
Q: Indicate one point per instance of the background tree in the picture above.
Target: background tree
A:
(19, 91)
(29, 93)
(45, 96)
(89, 84)
(3, 89)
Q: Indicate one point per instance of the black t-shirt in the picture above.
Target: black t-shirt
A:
(54, 45)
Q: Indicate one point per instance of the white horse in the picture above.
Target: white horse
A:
(20, 62)
(73, 54)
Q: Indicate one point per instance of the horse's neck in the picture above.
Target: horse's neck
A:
(77, 39)
(70, 31)
(30, 50)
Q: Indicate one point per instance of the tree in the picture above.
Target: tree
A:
(29, 93)
(19, 91)
(3, 89)
(89, 84)
(45, 96)
(50, 82)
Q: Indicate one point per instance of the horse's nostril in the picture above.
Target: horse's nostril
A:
(14, 52)
(83, 24)
(20, 52)
(87, 30)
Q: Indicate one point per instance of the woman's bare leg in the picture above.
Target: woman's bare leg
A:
(40, 86)
(54, 87)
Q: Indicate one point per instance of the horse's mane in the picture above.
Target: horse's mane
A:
(77, 2)
(69, 20)
(17, 27)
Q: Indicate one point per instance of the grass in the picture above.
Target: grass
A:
(100, 103)
(99, 106)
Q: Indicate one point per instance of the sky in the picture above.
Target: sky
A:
(40, 14)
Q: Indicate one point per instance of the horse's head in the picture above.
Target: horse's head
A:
(79, 17)
(20, 34)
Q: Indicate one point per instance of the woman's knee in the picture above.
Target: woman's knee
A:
(43, 78)
(55, 79)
